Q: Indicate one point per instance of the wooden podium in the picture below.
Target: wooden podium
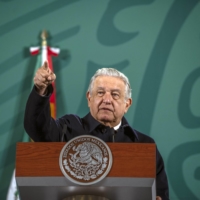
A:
(132, 175)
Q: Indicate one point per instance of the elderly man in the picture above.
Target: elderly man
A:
(109, 98)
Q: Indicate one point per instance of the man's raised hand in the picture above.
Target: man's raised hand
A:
(43, 78)
(158, 198)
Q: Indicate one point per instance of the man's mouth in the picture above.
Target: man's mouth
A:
(106, 109)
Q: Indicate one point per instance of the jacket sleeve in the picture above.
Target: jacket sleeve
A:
(37, 120)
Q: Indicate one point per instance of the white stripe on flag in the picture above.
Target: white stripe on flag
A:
(12, 192)
(44, 55)
(55, 50)
(34, 49)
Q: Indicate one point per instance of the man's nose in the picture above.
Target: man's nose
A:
(107, 98)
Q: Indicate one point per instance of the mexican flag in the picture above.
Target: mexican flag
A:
(44, 54)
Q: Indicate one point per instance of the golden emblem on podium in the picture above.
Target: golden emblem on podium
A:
(85, 160)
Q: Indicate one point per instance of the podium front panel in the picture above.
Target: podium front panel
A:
(132, 175)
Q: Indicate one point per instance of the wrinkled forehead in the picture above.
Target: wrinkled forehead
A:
(111, 82)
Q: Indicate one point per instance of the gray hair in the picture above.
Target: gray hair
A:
(114, 73)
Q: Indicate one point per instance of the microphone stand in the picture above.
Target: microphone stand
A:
(113, 135)
(64, 131)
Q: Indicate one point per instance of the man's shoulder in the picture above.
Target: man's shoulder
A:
(70, 119)
(139, 136)
(143, 138)
(74, 119)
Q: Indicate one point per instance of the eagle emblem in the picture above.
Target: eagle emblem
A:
(85, 160)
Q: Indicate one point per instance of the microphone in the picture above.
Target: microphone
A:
(64, 131)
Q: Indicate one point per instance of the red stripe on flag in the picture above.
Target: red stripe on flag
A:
(35, 52)
(52, 51)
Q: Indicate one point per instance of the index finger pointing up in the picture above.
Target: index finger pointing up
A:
(45, 65)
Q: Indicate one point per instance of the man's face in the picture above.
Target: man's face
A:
(107, 102)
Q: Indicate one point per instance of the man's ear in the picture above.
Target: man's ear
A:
(128, 104)
(88, 96)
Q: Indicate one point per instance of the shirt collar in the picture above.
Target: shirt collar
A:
(117, 127)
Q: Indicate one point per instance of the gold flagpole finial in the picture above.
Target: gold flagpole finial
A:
(44, 36)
